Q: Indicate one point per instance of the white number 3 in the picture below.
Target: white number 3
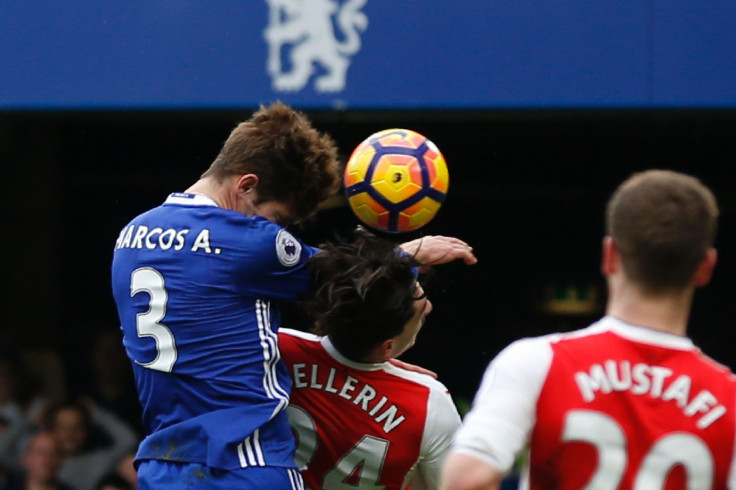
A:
(677, 448)
(149, 324)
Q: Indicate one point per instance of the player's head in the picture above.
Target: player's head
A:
(367, 298)
(292, 162)
(662, 223)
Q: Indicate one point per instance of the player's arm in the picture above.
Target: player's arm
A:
(465, 472)
(443, 420)
(276, 263)
(497, 427)
(438, 249)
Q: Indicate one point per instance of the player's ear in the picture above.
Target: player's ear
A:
(385, 349)
(247, 182)
(705, 269)
(610, 258)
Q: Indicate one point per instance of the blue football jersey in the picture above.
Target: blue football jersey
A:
(197, 289)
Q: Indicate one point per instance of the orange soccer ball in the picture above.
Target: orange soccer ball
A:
(396, 180)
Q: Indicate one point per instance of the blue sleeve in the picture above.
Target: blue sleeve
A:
(277, 263)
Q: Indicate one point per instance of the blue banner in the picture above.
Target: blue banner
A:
(367, 54)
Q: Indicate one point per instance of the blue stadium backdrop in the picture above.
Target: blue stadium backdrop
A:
(375, 54)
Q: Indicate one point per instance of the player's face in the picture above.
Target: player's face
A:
(407, 338)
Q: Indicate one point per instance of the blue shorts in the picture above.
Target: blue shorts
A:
(158, 475)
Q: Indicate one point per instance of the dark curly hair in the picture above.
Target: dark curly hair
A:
(364, 294)
(295, 163)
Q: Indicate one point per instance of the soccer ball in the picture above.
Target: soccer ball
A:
(396, 180)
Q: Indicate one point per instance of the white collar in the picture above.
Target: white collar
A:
(643, 334)
(190, 199)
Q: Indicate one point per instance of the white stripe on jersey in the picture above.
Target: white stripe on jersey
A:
(257, 448)
(273, 341)
(241, 456)
(271, 357)
(250, 452)
(296, 479)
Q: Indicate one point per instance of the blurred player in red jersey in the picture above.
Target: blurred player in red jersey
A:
(363, 422)
(629, 402)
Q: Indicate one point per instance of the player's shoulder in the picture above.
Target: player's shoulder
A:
(415, 377)
(540, 348)
(272, 240)
(294, 343)
(596, 334)
(718, 368)
(531, 347)
(147, 214)
(525, 357)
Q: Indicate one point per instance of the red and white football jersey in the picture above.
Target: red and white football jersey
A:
(612, 406)
(364, 425)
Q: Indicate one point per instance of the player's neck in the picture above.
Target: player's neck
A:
(666, 313)
(212, 189)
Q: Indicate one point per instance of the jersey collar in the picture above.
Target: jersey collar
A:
(189, 199)
(646, 335)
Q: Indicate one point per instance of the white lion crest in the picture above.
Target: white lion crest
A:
(307, 26)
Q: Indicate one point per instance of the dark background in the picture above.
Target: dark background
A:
(527, 191)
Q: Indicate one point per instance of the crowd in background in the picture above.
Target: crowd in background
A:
(80, 433)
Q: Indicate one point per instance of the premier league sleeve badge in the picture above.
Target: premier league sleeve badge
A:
(288, 248)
